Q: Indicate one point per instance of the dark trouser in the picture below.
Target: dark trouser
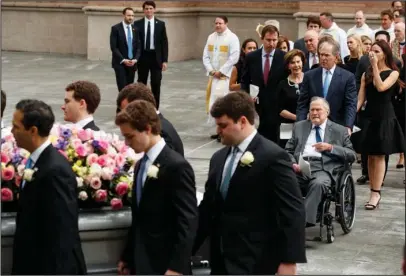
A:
(364, 164)
(314, 189)
(124, 75)
(146, 64)
(269, 131)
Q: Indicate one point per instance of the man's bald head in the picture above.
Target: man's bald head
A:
(359, 18)
(400, 31)
(311, 39)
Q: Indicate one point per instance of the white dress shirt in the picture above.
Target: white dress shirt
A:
(126, 30)
(309, 150)
(152, 20)
(271, 54)
(84, 122)
(242, 147)
(152, 156)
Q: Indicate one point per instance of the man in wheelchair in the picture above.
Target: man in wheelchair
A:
(327, 147)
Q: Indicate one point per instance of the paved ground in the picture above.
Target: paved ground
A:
(374, 246)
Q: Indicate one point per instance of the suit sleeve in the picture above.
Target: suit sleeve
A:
(290, 146)
(185, 205)
(287, 199)
(350, 101)
(137, 44)
(59, 213)
(303, 101)
(164, 44)
(113, 44)
(205, 213)
(345, 151)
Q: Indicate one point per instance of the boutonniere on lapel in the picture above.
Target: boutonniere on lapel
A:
(247, 159)
(29, 174)
(153, 171)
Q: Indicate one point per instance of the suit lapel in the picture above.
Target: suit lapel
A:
(222, 161)
(156, 25)
(319, 82)
(122, 34)
(328, 132)
(134, 195)
(335, 82)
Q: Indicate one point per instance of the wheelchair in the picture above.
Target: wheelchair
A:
(342, 194)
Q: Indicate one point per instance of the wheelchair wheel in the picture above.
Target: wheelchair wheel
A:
(347, 204)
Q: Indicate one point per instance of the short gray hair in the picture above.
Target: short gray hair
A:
(323, 100)
(331, 41)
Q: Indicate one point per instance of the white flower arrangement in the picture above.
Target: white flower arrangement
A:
(153, 171)
(247, 159)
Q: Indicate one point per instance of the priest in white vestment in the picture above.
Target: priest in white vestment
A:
(221, 53)
(360, 28)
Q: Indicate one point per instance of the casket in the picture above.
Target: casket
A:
(103, 233)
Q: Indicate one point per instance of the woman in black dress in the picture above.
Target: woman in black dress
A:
(354, 44)
(382, 134)
(288, 89)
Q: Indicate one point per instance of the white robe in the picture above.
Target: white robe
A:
(221, 53)
(363, 30)
(340, 36)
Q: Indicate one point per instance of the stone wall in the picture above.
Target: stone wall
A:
(83, 27)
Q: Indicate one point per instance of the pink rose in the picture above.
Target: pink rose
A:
(116, 203)
(102, 161)
(81, 151)
(18, 180)
(107, 174)
(110, 163)
(91, 159)
(95, 183)
(4, 158)
(85, 134)
(7, 173)
(120, 160)
(6, 194)
(104, 145)
(9, 138)
(89, 148)
(100, 195)
(124, 149)
(76, 143)
(64, 154)
(122, 188)
(116, 170)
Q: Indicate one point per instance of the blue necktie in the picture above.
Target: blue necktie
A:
(227, 176)
(318, 136)
(139, 177)
(28, 165)
(326, 85)
(129, 43)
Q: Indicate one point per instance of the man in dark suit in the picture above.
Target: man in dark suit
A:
(81, 101)
(139, 91)
(164, 205)
(125, 47)
(252, 209)
(264, 68)
(326, 146)
(154, 49)
(46, 239)
(331, 82)
(362, 67)
(313, 23)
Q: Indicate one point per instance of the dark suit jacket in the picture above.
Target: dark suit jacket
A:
(160, 39)
(261, 222)
(300, 45)
(268, 108)
(92, 126)
(363, 65)
(335, 135)
(164, 224)
(118, 44)
(342, 95)
(47, 239)
(170, 135)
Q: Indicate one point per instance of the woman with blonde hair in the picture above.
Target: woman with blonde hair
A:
(354, 44)
(366, 44)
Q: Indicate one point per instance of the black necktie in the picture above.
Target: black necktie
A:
(148, 42)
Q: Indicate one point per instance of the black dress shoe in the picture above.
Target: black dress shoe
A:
(363, 179)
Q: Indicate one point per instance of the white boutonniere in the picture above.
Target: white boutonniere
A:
(246, 159)
(29, 174)
(152, 171)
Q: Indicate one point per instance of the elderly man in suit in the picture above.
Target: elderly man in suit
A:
(80, 103)
(331, 82)
(46, 239)
(326, 145)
